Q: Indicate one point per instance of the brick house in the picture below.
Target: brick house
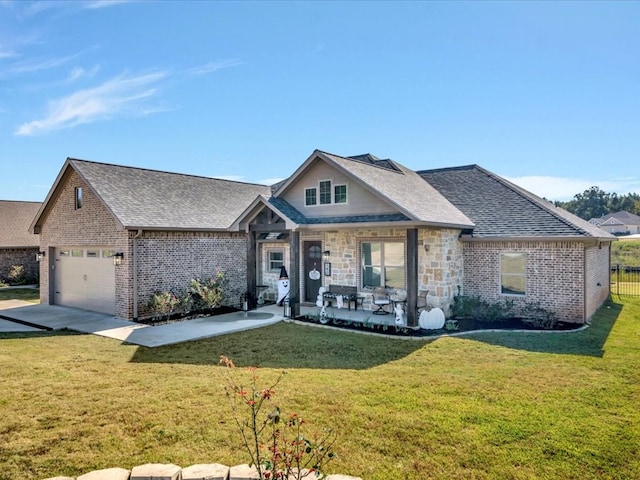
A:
(352, 221)
(18, 247)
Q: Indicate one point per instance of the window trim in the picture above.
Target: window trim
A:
(502, 274)
(346, 194)
(315, 196)
(329, 193)
(269, 251)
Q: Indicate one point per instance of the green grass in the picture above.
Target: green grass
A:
(626, 251)
(26, 294)
(487, 406)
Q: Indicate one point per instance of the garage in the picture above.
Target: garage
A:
(84, 277)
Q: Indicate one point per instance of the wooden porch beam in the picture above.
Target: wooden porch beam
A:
(412, 277)
(294, 274)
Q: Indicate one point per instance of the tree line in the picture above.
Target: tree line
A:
(595, 202)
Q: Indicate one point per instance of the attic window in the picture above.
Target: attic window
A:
(325, 192)
(78, 198)
(340, 194)
(310, 196)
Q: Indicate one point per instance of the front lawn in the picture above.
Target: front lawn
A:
(487, 406)
(27, 294)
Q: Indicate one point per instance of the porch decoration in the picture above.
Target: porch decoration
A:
(432, 320)
(283, 286)
(399, 311)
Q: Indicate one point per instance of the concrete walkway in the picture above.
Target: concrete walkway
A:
(19, 316)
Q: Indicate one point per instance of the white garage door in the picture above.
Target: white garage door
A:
(85, 278)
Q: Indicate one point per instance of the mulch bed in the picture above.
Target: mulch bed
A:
(464, 325)
(181, 316)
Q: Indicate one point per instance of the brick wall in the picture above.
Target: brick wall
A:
(555, 274)
(19, 256)
(169, 260)
(598, 276)
(90, 225)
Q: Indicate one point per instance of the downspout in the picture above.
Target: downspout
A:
(135, 274)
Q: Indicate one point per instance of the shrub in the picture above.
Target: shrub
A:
(206, 294)
(276, 444)
(476, 308)
(538, 317)
(17, 275)
(163, 303)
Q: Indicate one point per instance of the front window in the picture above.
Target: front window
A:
(512, 273)
(325, 192)
(276, 259)
(310, 196)
(340, 194)
(383, 264)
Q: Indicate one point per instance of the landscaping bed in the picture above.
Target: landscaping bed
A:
(451, 326)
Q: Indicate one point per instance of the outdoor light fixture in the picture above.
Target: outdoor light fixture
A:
(40, 256)
(326, 253)
(117, 258)
(426, 247)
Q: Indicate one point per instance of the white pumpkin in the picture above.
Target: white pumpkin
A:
(432, 320)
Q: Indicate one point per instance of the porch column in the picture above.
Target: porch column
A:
(294, 274)
(251, 268)
(412, 277)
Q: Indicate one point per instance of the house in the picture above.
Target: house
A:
(113, 235)
(18, 247)
(619, 223)
(357, 221)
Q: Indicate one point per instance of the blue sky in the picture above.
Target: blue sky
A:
(546, 94)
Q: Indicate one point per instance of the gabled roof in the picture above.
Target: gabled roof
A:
(501, 209)
(15, 218)
(154, 200)
(393, 183)
(618, 218)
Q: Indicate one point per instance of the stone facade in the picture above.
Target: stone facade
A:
(10, 257)
(440, 263)
(555, 275)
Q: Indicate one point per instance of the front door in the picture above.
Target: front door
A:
(312, 270)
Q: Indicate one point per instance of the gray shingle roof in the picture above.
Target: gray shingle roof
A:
(623, 217)
(403, 188)
(151, 199)
(500, 208)
(15, 218)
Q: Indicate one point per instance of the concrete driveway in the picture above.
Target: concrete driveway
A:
(24, 316)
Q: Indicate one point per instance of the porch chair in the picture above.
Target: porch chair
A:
(381, 299)
(422, 301)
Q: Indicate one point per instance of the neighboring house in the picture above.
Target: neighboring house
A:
(354, 221)
(18, 247)
(620, 223)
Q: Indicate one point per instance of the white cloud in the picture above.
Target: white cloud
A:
(564, 189)
(121, 96)
(36, 66)
(213, 67)
(270, 181)
(96, 4)
(79, 72)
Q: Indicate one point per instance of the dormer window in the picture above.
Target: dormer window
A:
(310, 196)
(325, 194)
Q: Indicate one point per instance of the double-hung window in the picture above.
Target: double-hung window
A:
(325, 192)
(276, 259)
(310, 196)
(340, 194)
(383, 264)
(513, 273)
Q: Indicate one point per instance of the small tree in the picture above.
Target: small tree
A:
(208, 293)
(276, 445)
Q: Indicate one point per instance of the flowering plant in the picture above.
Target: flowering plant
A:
(207, 293)
(164, 303)
(277, 446)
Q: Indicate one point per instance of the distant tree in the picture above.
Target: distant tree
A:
(595, 202)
